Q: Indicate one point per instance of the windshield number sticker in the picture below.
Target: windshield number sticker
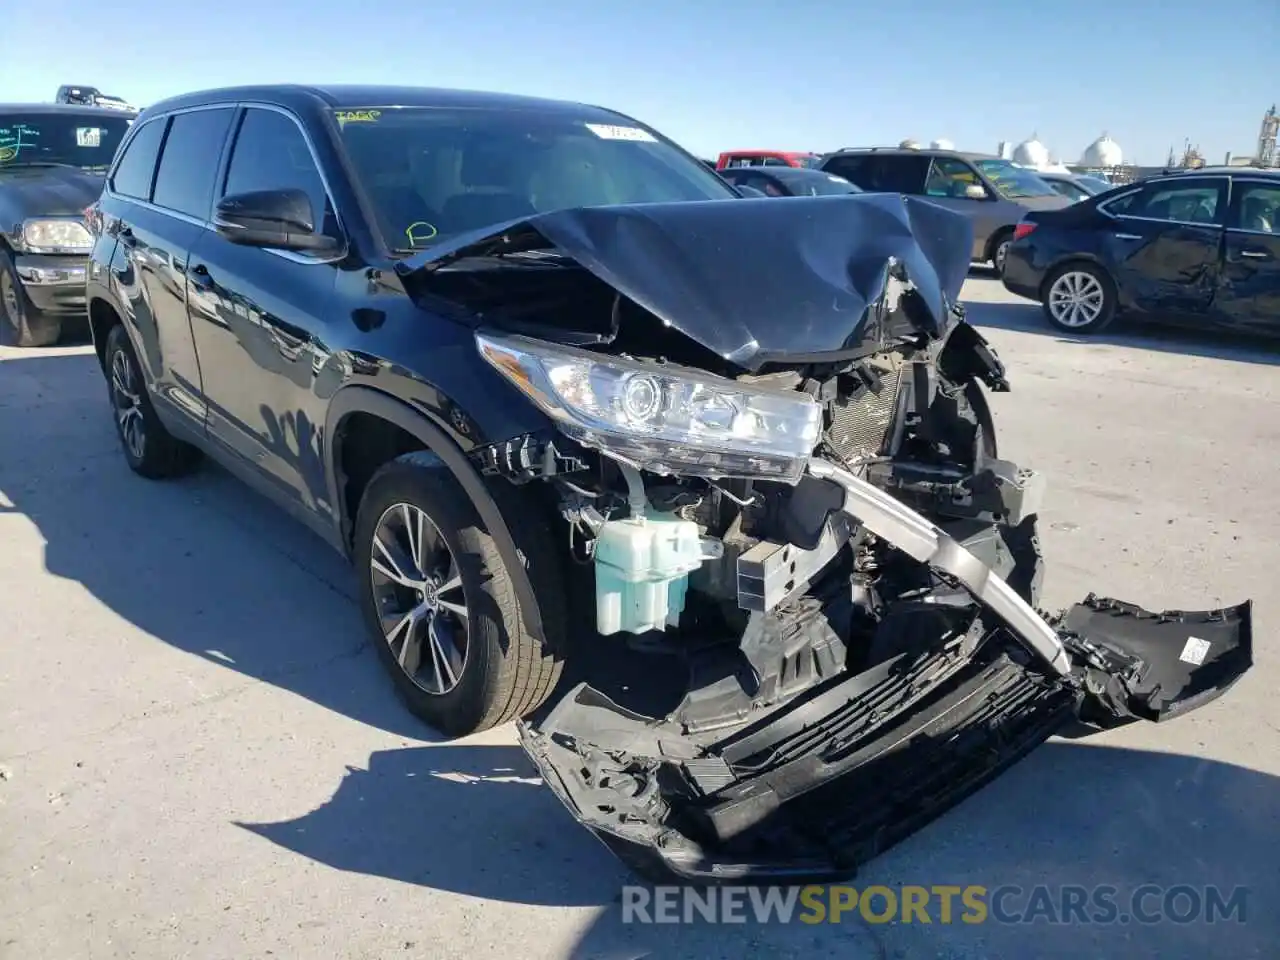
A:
(358, 116)
(88, 136)
(1194, 651)
(609, 132)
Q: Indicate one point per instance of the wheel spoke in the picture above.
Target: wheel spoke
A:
(440, 656)
(457, 609)
(386, 564)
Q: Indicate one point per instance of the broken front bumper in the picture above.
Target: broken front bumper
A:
(846, 769)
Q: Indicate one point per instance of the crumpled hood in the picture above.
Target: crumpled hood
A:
(753, 280)
(46, 192)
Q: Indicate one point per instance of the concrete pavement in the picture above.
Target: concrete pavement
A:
(200, 757)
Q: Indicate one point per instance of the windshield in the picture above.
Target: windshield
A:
(432, 173)
(61, 138)
(1093, 184)
(809, 161)
(1014, 182)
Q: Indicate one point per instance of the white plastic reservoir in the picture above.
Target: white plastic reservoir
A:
(642, 566)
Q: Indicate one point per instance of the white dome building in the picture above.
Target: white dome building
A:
(942, 143)
(1031, 153)
(1103, 152)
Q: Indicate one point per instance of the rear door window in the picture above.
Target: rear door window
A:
(137, 167)
(1189, 201)
(189, 163)
(270, 153)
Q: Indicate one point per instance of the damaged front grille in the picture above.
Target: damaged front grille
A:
(860, 425)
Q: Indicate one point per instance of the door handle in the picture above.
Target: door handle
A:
(1255, 254)
(201, 278)
(1127, 236)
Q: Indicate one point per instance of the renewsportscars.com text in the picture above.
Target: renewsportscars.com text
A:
(940, 903)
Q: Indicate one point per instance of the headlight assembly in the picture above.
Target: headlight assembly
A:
(55, 236)
(665, 419)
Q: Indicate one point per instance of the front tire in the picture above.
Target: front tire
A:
(149, 449)
(28, 327)
(441, 604)
(1079, 298)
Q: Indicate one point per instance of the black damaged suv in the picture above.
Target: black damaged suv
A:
(556, 388)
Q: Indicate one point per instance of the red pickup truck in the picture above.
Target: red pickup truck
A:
(767, 158)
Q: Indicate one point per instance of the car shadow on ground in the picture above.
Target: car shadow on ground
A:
(201, 563)
(1073, 813)
(213, 570)
(1027, 317)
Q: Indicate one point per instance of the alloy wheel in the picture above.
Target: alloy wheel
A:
(1002, 253)
(417, 591)
(127, 401)
(1076, 299)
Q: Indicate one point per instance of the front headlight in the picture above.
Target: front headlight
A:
(663, 419)
(55, 236)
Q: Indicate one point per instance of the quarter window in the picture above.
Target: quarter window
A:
(189, 163)
(270, 153)
(137, 167)
(1258, 208)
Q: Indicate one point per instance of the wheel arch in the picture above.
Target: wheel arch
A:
(369, 401)
(997, 235)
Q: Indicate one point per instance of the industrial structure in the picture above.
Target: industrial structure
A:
(1267, 156)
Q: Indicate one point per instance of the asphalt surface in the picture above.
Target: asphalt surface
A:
(200, 757)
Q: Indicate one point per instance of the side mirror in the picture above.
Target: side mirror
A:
(975, 191)
(279, 219)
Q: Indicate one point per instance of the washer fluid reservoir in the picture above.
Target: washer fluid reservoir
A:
(642, 566)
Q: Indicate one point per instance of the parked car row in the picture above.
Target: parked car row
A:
(547, 380)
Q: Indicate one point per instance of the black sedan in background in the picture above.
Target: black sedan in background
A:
(789, 181)
(1200, 248)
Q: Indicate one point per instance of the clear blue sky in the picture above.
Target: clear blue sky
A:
(717, 74)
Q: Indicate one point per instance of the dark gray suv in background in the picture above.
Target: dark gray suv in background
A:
(992, 192)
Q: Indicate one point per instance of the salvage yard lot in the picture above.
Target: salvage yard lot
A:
(199, 756)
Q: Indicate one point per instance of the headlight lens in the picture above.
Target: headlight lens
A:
(56, 236)
(664, 420)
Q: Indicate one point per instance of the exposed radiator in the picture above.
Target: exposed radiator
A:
(860, 427)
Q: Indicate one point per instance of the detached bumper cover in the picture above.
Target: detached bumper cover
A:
(847, 769)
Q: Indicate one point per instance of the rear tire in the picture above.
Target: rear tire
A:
(149, 449)
(27, 326)
(1079, 298)
(492, 670)
(1000, 250)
